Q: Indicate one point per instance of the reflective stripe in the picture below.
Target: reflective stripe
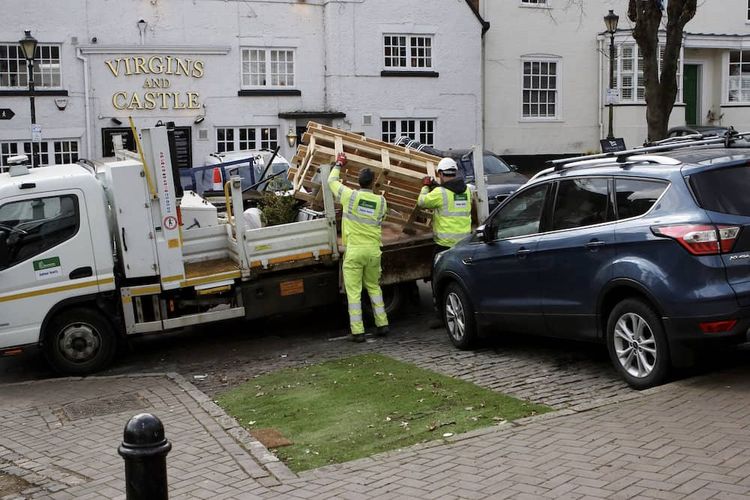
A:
(340, 191)
(354, 318)
(422, 194)
(376, 299)
(355, 307)
(378, 309)
(362, 220)
(351, 202)
(448, 213)
(381, 215)
(445, 199)
(451, 236)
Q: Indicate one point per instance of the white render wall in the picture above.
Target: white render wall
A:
(574, 35)
(338, 59)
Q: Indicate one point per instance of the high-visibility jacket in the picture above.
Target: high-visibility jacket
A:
(451, 216)
(363, 213)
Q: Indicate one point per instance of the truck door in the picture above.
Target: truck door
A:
(46, 256)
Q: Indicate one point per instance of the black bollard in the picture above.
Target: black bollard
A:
(145, 449)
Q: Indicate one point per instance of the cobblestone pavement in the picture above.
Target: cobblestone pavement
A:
(689, 439)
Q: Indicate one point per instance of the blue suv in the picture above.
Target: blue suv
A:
(649, 253)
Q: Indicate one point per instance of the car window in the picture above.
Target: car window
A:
(494, 165)
(723, 190)
(580, 202)
(636, 197)
(521, 215)
(30, 227)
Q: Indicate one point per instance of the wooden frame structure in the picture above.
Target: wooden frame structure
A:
(398, 171)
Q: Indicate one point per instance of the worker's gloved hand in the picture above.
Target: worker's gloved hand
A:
(341, 159)
(427, 180)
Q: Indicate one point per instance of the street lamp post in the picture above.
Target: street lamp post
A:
(610, 21)
(28, 46)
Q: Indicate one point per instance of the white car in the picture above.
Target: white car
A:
(206, 180)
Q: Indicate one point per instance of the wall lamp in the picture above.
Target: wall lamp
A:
(200, 117)
(291, 138)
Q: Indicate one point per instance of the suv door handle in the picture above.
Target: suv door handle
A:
(522, 252)
(593, 245)
(81, 272)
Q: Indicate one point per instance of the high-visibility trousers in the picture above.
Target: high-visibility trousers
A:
(362, 265)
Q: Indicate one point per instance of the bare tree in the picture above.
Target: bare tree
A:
(661, 90)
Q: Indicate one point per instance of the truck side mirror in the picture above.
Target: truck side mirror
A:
(514, 168)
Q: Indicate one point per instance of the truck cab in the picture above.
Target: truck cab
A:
(55, 247)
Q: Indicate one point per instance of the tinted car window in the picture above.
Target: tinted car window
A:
(521, 215)
(580, 202)
(723, 190)
(636, 197)
(30, 227)
(493, 165)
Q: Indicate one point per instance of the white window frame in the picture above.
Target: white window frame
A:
(42, 74)
(557, 60)
(535, 4)
(638, 82)
(748, 12)
(743, 79)
(263, 138)
(409, 54)
(268, 56)
(46, 150)
(416, 128)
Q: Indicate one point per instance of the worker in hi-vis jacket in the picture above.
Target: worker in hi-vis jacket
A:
(362, 218)
(450, 202)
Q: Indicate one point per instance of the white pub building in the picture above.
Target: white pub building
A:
(237, 75)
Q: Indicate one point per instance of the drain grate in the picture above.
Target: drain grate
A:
(104, 406)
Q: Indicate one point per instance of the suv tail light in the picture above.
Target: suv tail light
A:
(701, 239)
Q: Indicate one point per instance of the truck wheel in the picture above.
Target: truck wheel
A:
(637, 344)
(79, 341)
(458, 317)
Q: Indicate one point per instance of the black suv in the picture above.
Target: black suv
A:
(646, 252)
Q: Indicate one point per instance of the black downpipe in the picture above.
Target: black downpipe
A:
(173, 159)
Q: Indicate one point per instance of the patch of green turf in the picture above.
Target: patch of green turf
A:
(355, 407)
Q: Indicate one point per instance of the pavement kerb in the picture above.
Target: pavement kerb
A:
(230, 425)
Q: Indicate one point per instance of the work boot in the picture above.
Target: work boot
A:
(382, 331)
(358, 338)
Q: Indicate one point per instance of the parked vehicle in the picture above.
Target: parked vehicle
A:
(647, 253)
(501, 179)
(684, 130)
(248, 164)
(88, 255)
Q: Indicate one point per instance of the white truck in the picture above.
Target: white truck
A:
(93, 253)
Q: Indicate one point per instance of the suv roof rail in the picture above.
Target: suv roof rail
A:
(670, 144)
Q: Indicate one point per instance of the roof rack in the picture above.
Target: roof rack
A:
(670, 144)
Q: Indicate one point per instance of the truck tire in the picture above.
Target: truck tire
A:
(79, 342)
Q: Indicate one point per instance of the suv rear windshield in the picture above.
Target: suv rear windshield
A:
(723, 190)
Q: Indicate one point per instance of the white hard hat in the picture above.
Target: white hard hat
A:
(447, 165)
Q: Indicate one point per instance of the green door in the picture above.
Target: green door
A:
(690, 93)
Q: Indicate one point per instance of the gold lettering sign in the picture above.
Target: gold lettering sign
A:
(156, 95)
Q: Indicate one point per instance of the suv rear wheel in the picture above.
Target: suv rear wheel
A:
(458, 317)
(637, 344)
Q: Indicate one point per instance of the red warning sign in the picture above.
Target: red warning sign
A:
(170, 222)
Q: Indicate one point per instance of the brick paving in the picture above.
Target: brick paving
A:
(689, 439)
